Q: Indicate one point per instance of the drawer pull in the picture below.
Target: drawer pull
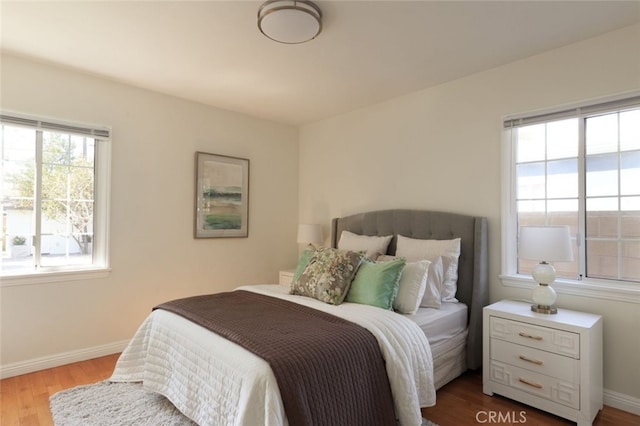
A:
(534, 385)
(529, 336)
(532, 361)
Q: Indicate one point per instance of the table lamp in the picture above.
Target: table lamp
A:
(309, 234)
(545, 244)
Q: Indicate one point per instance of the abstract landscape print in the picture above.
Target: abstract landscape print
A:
(222, 196)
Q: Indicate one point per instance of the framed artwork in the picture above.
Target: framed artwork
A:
(221, 197)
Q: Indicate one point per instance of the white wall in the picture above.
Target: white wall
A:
(153, 254)
(440, 149)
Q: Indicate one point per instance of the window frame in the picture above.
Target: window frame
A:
(610, 289)
(100, 267)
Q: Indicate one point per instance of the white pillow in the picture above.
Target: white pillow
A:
(427, 298)
(413, 283)
(372, 246)
(415, 249)
(432, 297)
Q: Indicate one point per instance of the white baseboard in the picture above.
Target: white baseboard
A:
(37, 364)
(621, 402)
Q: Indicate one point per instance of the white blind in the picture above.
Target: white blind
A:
(583, 110)
(97, 132)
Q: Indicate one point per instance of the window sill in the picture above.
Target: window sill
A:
(50, 277)
(598, 289)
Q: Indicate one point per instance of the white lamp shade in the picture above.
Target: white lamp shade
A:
(309, 233)
(545, 243)
(290, 21)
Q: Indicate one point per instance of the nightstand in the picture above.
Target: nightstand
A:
(286, 276)
(551, 362)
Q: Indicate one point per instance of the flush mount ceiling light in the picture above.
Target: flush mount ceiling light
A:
(290, 21)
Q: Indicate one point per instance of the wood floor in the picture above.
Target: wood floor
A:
(24, 400)
(462, 402)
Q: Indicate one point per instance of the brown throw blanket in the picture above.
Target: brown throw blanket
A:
(329, 371)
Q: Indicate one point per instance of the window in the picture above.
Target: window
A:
(54, 197)
(581, 168)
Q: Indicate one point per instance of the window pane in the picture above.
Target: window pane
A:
(562, 179)
(602, 134)
(531, 180)
(630, 221)
(54, 183)
(17, 246)
(531, 143)
(602, 259)
(602, 204)
(602, 224)
(67, 223)
(18, 162)
(81, 181)
(630, 173)
(55, 148)
(630, 130)
(602, 175)
(17, 146)
(629, 204)
(569, 270)
(562, 139)
(63, 250)
(525, 266)
(562, 206)
(531, 212)
(54, 227)
(631, 260)
(565, 212)
(81, 217)
(82, 149)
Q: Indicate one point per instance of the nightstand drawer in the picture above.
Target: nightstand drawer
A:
(547, 387)
(559, 366)
(543, 338)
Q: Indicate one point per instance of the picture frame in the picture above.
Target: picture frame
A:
(221, 196)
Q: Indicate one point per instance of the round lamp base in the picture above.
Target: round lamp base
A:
(541, 309)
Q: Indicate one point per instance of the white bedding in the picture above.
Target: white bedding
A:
(216, 382)
(440, 325)
(446, 331)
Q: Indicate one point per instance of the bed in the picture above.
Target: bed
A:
(472, 283)
(215, 381)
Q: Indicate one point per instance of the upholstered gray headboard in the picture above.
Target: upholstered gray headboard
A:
(473, 285)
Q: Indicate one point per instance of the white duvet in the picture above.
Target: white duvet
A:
(216, 382)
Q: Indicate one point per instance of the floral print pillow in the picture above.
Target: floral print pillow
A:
(328, 275)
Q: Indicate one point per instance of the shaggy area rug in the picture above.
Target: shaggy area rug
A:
(117, 404)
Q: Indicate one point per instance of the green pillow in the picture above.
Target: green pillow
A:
(376, 284)
(306, 255)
